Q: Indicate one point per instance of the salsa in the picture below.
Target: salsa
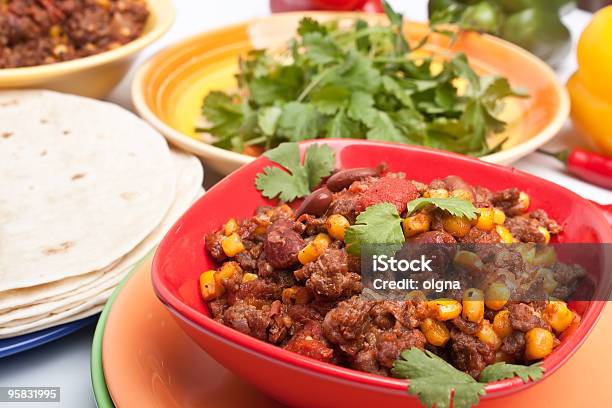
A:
(291, 277)
(38, 32)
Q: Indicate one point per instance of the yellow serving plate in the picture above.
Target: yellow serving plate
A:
(169, 88)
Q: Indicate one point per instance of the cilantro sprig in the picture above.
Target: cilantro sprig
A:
(378, 224)
(502, 371)
(453, 205)
(357, 82)
(319, 160)
(439, 384)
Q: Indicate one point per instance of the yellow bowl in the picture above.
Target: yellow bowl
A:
(169, 88)
(97, 75)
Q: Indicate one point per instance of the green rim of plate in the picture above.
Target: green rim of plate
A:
(100, 389)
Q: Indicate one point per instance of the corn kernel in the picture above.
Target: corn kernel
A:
(436, 193)
(336, 225)
(485, 219)
(558, 315)
(314, 249)
(545, 256)
(538, 343)
(501, 324)
(468, 261)
(55, 31)
(499, 217)
(523, 202)
(462, 194)
(456, 226)
(504, 234)
(262, 225)
(416, 224)
(473, 305)
(497, 296)
(416, 295)
(487, 335)
(550, 283)
(527, 252)
(230, 227)
(208, 286)
(445, 309)
(298, 295)
(248, 277)
(546, 234)
(435, 332)
(232, 245)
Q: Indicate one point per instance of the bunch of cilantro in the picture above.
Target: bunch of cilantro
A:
(356, 82)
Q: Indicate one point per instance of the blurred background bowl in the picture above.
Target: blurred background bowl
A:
(97, 75)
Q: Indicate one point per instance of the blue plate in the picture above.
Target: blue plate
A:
(27, 341)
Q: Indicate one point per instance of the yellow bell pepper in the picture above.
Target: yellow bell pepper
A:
(590, 87)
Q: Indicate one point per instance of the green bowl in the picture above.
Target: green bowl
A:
(100, 389)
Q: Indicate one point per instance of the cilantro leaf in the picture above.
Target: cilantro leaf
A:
(384, 129)
(299, 121)
(321, 49)
(455, 206)
(310, 25)
(361, 108)
(224, 116)
(329, 99)
(341, 126)
(319, 162)
(502, 370)
(433, 380)
(378, 224)
(267, 119)
(275, 182)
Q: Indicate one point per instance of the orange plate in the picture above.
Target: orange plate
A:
(169, 88)
(150, 362)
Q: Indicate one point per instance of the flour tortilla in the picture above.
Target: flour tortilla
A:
(84, 309)
(189, 181)
(86, 180)
(189, 188)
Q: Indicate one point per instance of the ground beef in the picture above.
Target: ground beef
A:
(508, 200)
(212, 242)
(524, 318)
(346, 325)
(345, 204)
(329, 277)
(310, 342)
(37, 32)
(470, 354)
(514, 345)
(389, 345)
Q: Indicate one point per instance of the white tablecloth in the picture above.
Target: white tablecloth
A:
(65, 363)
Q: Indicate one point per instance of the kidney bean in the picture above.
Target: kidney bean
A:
(282, 244)
(316, 203)
(344, 178)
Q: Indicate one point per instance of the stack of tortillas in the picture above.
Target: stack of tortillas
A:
(87, 190)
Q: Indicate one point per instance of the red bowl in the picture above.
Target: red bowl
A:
(300, 381)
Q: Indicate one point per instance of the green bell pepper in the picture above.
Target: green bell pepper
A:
(532, 24)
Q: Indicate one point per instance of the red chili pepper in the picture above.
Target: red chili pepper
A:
(589, 166)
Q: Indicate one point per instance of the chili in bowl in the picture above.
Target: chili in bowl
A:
(239, 278)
